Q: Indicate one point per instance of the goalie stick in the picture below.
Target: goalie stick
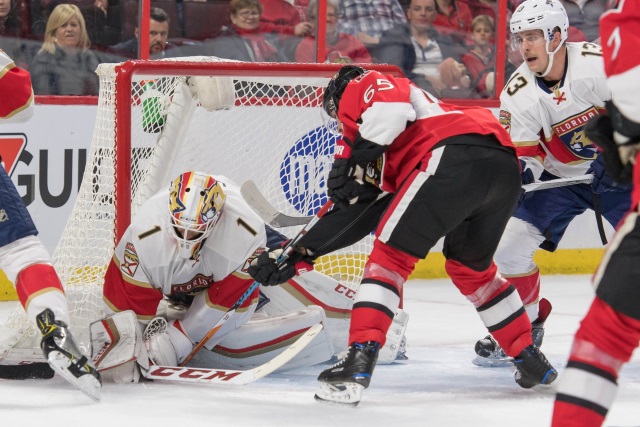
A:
(230, 376)
(560, 182)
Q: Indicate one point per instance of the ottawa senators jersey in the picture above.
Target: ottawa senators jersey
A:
(620, 38)
(147, 254)
(15, 87)
(394, 113)
(549, 122)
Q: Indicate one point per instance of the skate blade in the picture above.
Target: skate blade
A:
(345, 394)
(486, 362)
(87, 384)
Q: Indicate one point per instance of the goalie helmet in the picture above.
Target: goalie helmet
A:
(195, 204)
(336, 87)
(545, 15)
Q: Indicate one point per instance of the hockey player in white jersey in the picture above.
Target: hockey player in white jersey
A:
(27, 263)
(192, 243)
(545, 106)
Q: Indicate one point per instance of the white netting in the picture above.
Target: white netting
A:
(274, 135)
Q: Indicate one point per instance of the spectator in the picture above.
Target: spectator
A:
(65, 65)
(585, 15)
(10, 35)
(243, 40)
(454, 19)
(282, 17)
(489, 8)
(367, 20)
(417, 48)
(340, 47)
(159, 47)
(103, 22)
(480, 60)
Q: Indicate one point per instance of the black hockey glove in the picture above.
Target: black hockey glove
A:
(265, 269)
(602, 180)
(609, 172)
(341, 185)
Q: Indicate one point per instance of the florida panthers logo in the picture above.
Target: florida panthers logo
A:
(571, 132)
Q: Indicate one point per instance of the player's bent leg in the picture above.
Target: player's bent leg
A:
(604, 342)
(514, 258)
(377, 300)
(64, 357)
(501, 310)
(264, 337)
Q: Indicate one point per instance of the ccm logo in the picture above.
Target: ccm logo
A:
(194, 373)
(347, 292)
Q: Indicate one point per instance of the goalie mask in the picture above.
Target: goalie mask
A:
(195, 204)
(336, 87)
(545, 15)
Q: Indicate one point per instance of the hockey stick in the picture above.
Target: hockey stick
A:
(230, 376)
(560, 182)
(220, 323)
(267, 212)
(28, 371)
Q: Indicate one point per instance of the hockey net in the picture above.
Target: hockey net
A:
(147, 132)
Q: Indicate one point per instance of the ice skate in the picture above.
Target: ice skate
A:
(533, 368)
(490, 354)
(64, 357)
(343, 383)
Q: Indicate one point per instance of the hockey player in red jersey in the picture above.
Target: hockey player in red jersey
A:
(27, 264)
(545, 106)
(610, 331)
(414, 170)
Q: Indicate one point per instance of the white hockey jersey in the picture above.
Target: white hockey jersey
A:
(548, 123)
(148, 255)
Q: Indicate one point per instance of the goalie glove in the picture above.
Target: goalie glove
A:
(266, 270)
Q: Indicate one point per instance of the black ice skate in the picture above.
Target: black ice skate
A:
(490, 354)
(343, 382)
(64, 357)
(533, 368)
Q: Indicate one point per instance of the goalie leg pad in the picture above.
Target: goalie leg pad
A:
(315, 288)
(264, 337)
(394, 346)
(117, 347)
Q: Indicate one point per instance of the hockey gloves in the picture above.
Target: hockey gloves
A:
(531, 170)
(268, 271)
(610, 173)
(602, 180)
(341, 184)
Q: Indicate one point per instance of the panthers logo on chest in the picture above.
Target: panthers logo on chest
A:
(571, 132)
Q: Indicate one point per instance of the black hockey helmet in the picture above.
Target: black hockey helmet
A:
(336, 86)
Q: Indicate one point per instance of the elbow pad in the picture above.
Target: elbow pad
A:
(365, 151)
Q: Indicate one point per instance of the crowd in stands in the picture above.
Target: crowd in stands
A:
(445, 46)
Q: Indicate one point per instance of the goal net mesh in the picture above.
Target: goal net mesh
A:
(147, 132)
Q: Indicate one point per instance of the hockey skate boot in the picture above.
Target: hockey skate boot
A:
(533, 368)
(490, 354)
(343, 382)
(64, 357)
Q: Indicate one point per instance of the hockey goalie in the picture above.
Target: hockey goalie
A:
(189, 247)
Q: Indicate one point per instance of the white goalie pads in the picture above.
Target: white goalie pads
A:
(214, 93)
(117, 347)
(336, 300)
(264, 337)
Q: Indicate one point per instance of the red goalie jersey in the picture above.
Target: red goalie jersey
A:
(393, 112)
